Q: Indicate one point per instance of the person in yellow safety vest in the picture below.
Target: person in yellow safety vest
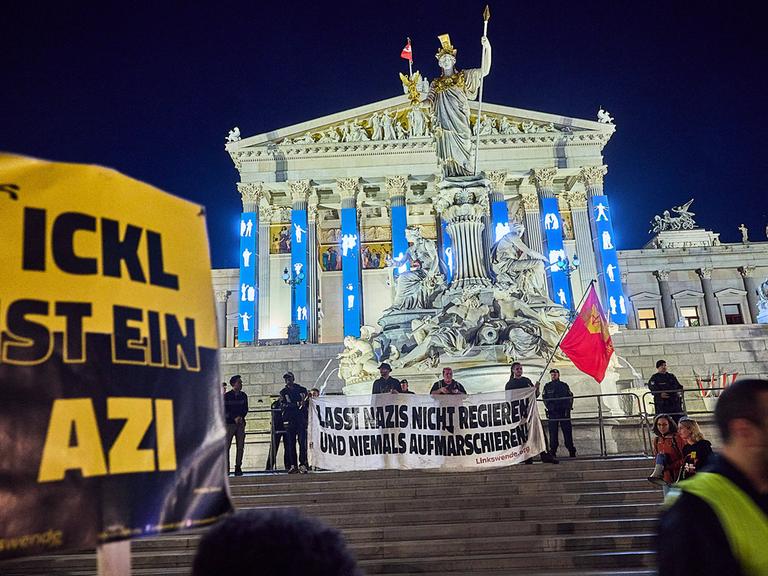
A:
(717, 521)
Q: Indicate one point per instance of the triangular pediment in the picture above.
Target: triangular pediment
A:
(357, 127)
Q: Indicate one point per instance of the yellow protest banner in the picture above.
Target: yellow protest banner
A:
(110, 408)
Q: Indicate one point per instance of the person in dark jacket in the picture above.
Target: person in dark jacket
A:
(235, 411)
(404, 386)
(558, 401)
(517, 382)
(667, 392)
(293, 401)
(278, 435)
(386, 384)
(697, 451)
(447, 385)
(717, 521)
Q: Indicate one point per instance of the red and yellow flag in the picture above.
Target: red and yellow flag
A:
(407, 52)
(588, 344)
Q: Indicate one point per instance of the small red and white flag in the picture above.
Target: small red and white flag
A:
(407, 53)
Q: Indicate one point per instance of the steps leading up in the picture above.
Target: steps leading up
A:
(581, 517)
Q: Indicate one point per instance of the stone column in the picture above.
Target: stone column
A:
(577, 201)
(221, 316)
(265, 219)
(300, 190)
(251, 194)
(397, 186)
(497, 223)
(593, 176)
(631, 318)
(463, 209)
(710, 303)
(352, 289)
(533, 236)
(748, 276)
(667, 306)
(313, 276)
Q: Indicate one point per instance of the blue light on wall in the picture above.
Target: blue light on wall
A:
(559, 282)
(350, 272)
(607, 259)
(299, 270)
(447, 255)
(247, 322)
(399, 241)
(499, 220)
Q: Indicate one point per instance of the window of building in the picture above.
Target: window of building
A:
(690, 315)
(646, 318)
(732, 313)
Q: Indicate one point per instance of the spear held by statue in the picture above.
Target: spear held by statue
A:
(486, 17)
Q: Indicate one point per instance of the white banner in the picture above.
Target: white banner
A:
(410, 431)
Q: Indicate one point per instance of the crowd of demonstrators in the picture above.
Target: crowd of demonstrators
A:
(666, 391)
(447, 385)
(667, 450)
(386, 384)
(717, 521)
(235, 411)
(558, 403)
(697, 450)
(294, 400)
(281, 541)
(519, 382)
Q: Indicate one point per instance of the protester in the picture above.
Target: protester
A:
(519, 382)
(717, 523)
(558, 401)
(235, 411)
(314, 393)
(283, 541)
(293, 401)
(386, 384)
(404, 386)
(667, 392)
(668, 451)
(223, 388)
(447, 385)
(278, 435)
(697, 451)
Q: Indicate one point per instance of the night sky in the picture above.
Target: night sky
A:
(152, 89)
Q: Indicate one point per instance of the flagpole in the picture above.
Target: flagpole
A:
(486, 17)
(562, 336)
(410, 60)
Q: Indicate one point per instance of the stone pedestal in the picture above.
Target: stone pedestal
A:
(684, 239)
(463, 204)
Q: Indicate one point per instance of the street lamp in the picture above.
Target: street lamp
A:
(568, 266)
(293, 280)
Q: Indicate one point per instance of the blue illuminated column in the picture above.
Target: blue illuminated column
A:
(559, 280)
(577, 201)
(397, 187)
(248, 255)
(499, 211)
(605, 249)
(350, 257)
(446, 250)
(299, 252)
(313, 264)
(551, 223)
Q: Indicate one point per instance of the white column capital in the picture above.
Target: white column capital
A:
(300, 189)
(530, 199)
(396, 185)
(498, 178)
(747, 271)
(348, 187)
(222, 295)
(593, 175)
(704, 273)
(662, 275)
(543, 177)
(576, 198)
(251, 194)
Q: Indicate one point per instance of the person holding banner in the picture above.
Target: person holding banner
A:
(386, 384)
(447, 385)
(293, 401)
(235, 410)
(404, 386)
(517, 382)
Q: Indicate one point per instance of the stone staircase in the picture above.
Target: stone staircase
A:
(582, 517)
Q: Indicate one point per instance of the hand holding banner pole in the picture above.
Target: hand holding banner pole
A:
(486, 17)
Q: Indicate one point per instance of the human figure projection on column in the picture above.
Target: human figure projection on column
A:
(551, 222)
(609, 272)
(299, 231)
(246, 228)
(448, 98)
(247, 258)
(601, 212)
